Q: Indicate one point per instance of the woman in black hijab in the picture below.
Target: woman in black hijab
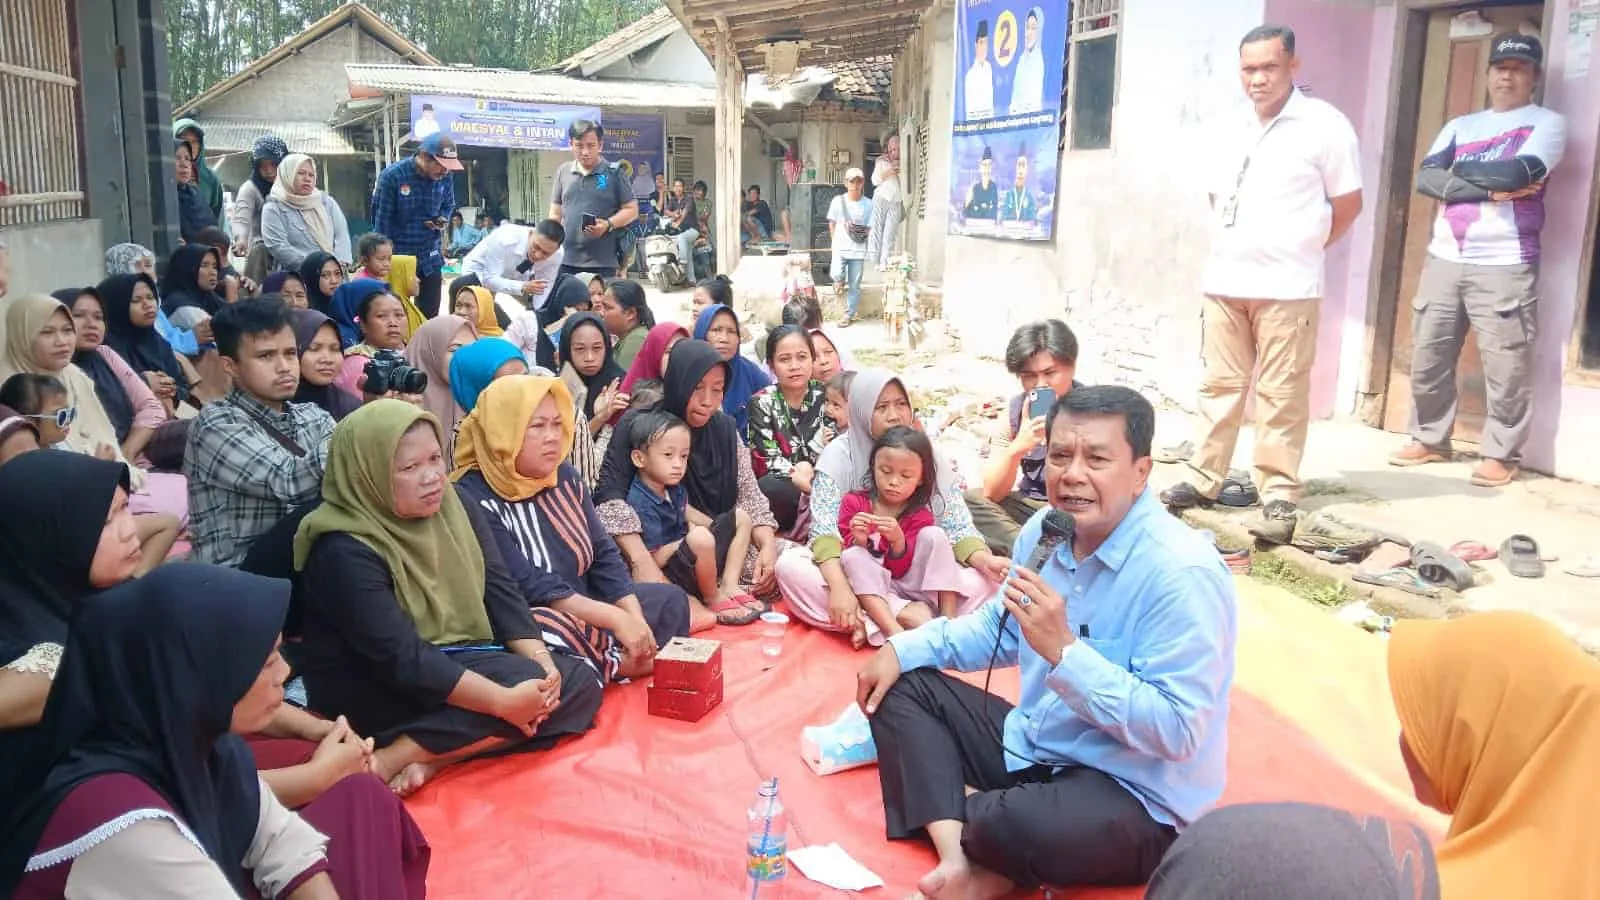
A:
(138, 343)
(316, 384)
(719, 475)
(1269, 851)
(185, 284)
(311, 271)
(107, 386)
(602, 375)
(136, 740)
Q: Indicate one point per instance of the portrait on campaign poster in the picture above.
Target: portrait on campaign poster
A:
(641, 141)
(478, 122)
(1003, 184)
(1008, 59)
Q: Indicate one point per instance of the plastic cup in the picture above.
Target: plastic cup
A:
(772, 628)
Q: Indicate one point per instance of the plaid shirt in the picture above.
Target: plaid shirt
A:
(241, 480)
(403, 202)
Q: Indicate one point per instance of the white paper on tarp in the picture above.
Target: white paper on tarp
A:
(828, 864)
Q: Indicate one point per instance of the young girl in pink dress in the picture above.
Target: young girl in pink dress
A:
(899, 563)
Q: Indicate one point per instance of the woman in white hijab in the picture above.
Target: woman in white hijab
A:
(298, 220)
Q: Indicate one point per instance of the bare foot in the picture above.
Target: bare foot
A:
(858, 636)
(963, 881)
(411, 778)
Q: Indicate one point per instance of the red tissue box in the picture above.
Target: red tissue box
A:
(689, 664)
(688, 679)
(686, 706)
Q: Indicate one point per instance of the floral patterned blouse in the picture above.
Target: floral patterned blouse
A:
(781, 436)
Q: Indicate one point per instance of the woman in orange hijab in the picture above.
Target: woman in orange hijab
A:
(476, 305)
(1500, 729)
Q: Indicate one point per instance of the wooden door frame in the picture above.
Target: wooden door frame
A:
(1393, 199)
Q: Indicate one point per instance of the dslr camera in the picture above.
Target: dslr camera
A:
(389, 371)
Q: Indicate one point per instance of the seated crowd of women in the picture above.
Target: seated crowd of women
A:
(493, 550)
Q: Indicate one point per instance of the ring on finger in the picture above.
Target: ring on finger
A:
(1024, 601)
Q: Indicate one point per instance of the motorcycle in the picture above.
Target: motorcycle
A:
(661, 260)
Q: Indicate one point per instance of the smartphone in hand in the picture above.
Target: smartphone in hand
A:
(1040, 402)
(590, 219)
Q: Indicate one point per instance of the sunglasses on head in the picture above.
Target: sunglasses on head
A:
(63, 417)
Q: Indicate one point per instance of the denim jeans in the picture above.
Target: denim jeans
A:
(849, 270)
(686, 241)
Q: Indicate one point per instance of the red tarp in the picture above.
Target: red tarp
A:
(649, 807)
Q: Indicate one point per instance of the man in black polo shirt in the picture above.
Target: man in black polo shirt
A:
(593, 202)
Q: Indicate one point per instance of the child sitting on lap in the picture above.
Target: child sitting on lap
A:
(899, 563)
(702, 555)
(835, 406)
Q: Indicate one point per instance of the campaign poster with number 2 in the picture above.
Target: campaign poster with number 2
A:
(1009, 66)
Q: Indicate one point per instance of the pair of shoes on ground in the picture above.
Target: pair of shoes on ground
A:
(1489, 473)
(1237, 491)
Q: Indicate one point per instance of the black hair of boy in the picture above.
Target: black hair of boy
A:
(841, 382)
(651, 426)
(255, 317)
(903, 437)
(803, 310)
(29, 392)
(1050, 336)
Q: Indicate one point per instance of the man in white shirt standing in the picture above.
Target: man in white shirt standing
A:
(980, 78)
(520, 261)
(1488, 169)
(1286, 184)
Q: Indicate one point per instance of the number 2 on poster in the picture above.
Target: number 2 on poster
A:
(1005, 38)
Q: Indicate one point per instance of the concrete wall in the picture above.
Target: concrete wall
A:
(678, 58)
(54, 255)
(307, 85)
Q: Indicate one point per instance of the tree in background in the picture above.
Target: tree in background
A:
(208, 40)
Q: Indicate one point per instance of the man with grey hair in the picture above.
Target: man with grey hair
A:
(1488, 171)
(1285, 184)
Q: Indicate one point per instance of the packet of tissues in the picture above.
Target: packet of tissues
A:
(845, 743)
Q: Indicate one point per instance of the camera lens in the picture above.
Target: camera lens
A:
(408, 380)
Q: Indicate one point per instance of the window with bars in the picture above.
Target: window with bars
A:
(680, 158)
(1092, 77)
(39, 81)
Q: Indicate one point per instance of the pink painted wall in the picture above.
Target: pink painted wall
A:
(1335, 44)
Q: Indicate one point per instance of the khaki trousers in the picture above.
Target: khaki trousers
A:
(1276, 341)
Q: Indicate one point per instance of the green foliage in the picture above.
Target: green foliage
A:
(208, 40)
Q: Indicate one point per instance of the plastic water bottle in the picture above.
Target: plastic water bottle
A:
(766, 858)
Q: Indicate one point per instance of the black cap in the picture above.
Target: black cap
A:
(1515, 45)
(983, 30)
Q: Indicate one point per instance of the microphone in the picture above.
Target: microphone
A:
(1055, 530)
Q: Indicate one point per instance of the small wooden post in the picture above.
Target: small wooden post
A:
(729, 148)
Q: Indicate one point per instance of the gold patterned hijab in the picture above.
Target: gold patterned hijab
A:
(436, 562)
(491, 436)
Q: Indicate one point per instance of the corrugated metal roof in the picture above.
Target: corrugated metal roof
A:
(314, 138)
(528, 87)
(657, 26)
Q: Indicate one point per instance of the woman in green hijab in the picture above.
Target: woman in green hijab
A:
(414, 630)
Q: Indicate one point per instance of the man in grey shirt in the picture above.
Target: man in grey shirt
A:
(592, 201)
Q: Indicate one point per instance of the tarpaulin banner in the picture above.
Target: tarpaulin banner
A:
(1007, 103)
(496, 123)
(642, 141)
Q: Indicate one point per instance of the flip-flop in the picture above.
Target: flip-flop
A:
(1472, 551)
(1589, 567)
(1399, 578)
(1437, 565)
(1520, 554)
(731, 611)
(1238, 494)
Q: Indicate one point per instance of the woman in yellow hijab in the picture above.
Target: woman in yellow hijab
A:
(475, 304)
(412, 626)
(1500, 729)
(509, 454)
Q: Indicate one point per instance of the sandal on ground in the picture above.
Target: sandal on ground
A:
(1492, 473)
(732, 611)
(1175, 453)
(1437, 565)
(1472, 551)
(1589, 567)
(1520, 554)
(1399, 578)
(1238, 494)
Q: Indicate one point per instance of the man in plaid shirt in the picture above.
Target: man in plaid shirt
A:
(412, 204)
(253, 456)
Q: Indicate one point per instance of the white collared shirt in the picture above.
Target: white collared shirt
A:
(1291, 167)
(497, 256)
(979, 86)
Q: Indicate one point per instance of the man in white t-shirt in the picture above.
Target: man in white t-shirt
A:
(851, 210)
(1488, 169)
(520, 261)
(1285, 184)
(979, 84)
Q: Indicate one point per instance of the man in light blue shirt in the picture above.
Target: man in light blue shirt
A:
(1125, 641)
